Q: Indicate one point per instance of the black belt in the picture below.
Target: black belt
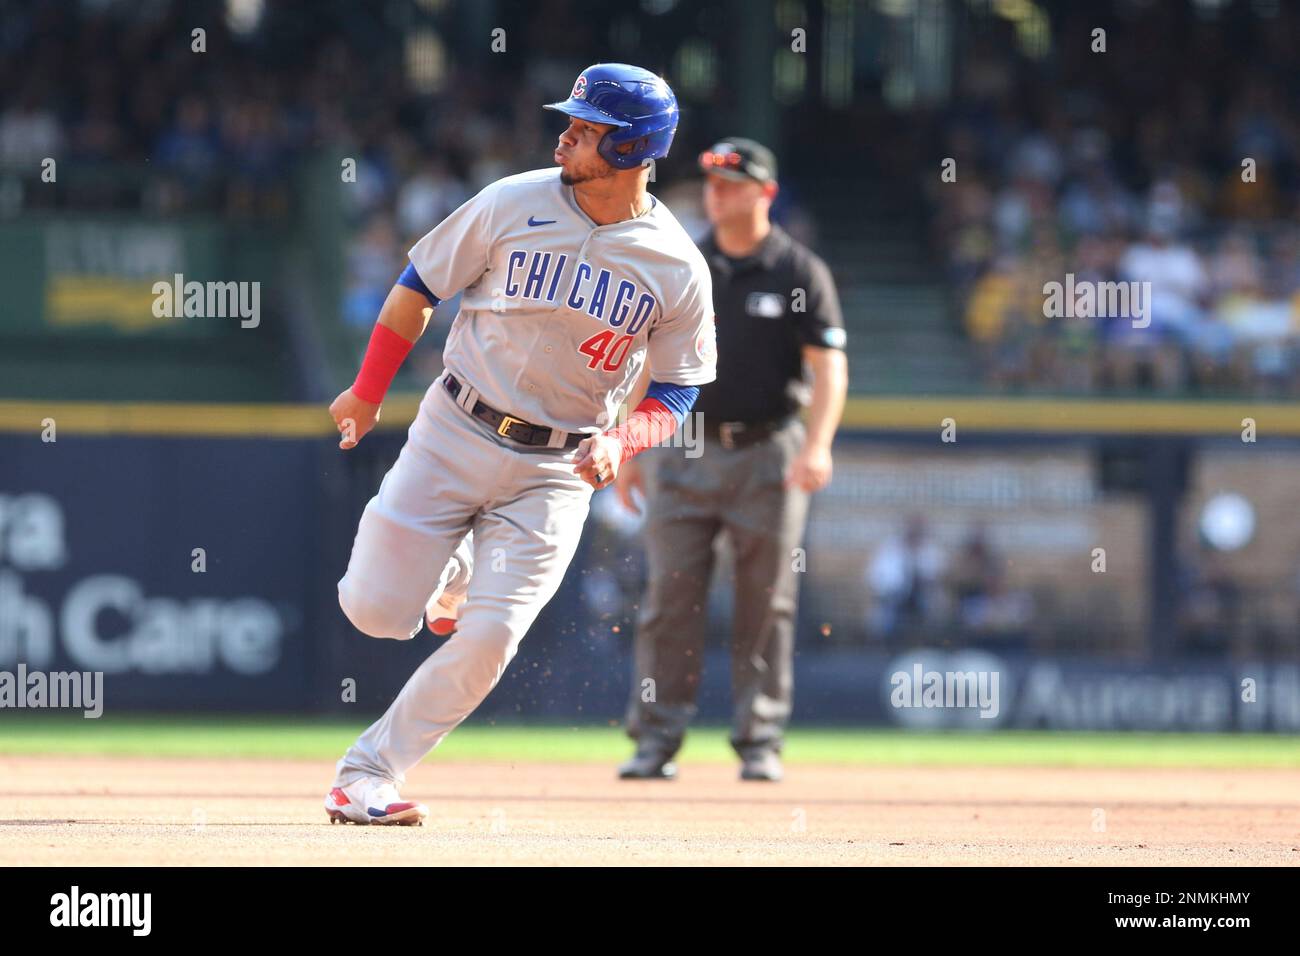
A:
(743, 434)
(507, 426)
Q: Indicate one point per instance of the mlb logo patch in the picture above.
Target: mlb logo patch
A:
(580, 88)
(765, 305)
(706, 344)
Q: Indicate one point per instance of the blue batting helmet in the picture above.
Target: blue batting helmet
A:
(641, 105)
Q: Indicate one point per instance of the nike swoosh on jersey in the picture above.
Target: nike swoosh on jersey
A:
(539, 222)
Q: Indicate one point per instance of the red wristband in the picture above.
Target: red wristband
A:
(384, 356)
(649, 424)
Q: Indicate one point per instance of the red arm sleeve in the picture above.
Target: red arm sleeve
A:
(649, 424)
(384, 356)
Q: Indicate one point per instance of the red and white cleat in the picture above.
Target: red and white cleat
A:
(443, 613)
(370, 800)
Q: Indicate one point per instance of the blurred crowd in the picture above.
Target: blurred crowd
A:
(919, 591)
(922, 591)
(249, 122)
(140, 119)
(1175, 160)
(1171, 158)
(221, 130)
(218, 129)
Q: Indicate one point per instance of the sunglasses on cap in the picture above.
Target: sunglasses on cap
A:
(735, 163)
(731, 160)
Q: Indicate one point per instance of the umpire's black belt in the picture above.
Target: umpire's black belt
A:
(507, 426)
(743, 434)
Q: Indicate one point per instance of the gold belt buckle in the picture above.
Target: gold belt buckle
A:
(506, 422)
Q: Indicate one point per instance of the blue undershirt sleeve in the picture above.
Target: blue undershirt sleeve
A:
(411, 279)
(677, 398)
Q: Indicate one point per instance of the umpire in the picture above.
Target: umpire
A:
(777, 310)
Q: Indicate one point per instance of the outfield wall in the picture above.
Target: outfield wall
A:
(190, 553)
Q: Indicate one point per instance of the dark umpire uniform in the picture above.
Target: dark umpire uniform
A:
(768, 307)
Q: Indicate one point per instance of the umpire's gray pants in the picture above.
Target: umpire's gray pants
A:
(689, 502)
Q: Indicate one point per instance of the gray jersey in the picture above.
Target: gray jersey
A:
(560, 315)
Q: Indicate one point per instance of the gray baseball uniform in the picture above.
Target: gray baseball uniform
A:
(558, 318)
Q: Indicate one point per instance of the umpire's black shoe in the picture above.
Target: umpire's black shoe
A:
(648, 765)
(761, 765)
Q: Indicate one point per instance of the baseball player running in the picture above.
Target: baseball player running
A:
(575, 279)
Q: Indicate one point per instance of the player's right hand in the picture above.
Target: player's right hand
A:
(629, 480)
(353, 417)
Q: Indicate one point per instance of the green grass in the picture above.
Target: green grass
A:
(128, 735)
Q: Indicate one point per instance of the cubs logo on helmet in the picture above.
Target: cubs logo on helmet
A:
(580, 88)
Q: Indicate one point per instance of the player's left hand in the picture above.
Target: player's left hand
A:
(598, 459)
(811, 469)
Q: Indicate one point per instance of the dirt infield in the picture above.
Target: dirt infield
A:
(66, 811)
